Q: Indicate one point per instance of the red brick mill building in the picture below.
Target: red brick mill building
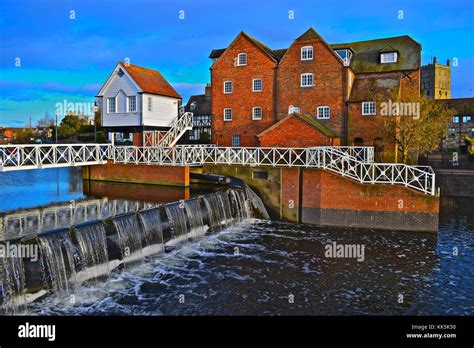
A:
(312, 93)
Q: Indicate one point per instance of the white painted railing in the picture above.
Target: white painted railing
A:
(14, 157)
(352, 162)
(178, 127)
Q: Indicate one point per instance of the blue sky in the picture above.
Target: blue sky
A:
(69, 59)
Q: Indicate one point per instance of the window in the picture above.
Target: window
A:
(345, 54)
(472, 132)
(466, 119)
(368, 108)
(306, 80)
(307, 53)
(227, 87)
(242, 59)
(257, 113)
(293, 109)
(110, 105)
(324, 112)
(150, 104)
(456, 119)
(452, 132)
(120, 72)
(227, 114)
(390, 57)
(257, 85)
(192, 107)
(236, 141)
(132, 104)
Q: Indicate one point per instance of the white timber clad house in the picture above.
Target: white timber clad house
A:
(136, 100)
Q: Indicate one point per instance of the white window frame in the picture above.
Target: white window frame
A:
(384, 57)
(235, 136)
(253, 85)
(227, 119)
(128, 103)
(108, 106)
(255, 118)
(371, 111)
(231, 87)
(306, 52)
(306, 75)
(324, 112)
(150, 104)
(238, 59)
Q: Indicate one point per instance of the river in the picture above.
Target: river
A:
(258, 267)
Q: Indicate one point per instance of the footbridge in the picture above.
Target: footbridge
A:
(356, 163)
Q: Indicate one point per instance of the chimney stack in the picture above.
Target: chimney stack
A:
(208, 90)
(448, 62)
(434, 60)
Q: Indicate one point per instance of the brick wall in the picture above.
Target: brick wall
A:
(141, 174)
(294, 132)
(328, 82)
(242, 99)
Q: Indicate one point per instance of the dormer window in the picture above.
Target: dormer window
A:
(307, 53)
(242, 59)
(389, 57)
(192, 106)
(345, 54)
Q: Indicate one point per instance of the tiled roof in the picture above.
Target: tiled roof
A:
(308, 119)
(203, 105)
(150, 81)
(370, 88)
(366, 57)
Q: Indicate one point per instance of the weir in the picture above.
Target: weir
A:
(92, 250)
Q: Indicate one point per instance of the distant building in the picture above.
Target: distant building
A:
(200, 106)
(461, 125)
(436, 80)
(135, 99)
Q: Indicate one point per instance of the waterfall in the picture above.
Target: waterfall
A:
(93, 248)
(130, 237)
(177, 217)
(59, 256)
(223, 198)
(195, 218)
(12, 281)
(151, 222)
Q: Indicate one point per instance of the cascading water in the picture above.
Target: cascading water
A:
(12, 278)
(61, 259)
(153, 230)
(93, 248)
(195, 218)
(223, 199)
(130, 237)
(177, 217)
(215, 212)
